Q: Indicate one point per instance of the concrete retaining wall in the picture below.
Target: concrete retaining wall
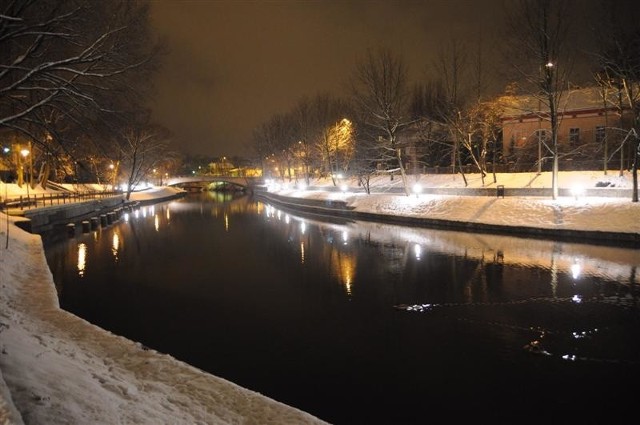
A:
(599, 192)
(344, 211)
(43, 219)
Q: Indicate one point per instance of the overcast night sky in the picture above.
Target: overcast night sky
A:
(234, 64)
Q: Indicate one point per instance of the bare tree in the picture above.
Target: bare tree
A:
(456, 103)
(142, 150)
(305, 123)
(380, 95)
(314, 134)
(274, 141)
(72, 63)
(538, 31)
(427, 106)
(619, 63)
(261, 144)
(330, 114)
(452, 70)
(366, 156)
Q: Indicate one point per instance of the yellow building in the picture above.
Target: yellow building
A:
(590, 128)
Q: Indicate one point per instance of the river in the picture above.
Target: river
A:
(361, 322)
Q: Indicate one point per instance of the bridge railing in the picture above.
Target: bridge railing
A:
(23, 202)
(242, 181)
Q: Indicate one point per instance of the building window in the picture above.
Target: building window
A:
(600, 134)
(542, 136)
(574, 136)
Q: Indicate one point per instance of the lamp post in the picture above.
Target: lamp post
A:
(549, 87)
(5, 152)
(114, 175)
(25, 154)
(75, 174)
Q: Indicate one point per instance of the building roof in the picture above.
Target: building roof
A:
(576, 99)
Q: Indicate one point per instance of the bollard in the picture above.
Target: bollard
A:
(95, 222)
(103, 220)
(86, 226)
(110, 217)
(71, 229)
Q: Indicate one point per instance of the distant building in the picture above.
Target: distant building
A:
(591, 126)
(224, 167)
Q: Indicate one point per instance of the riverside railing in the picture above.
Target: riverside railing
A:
(49, 199)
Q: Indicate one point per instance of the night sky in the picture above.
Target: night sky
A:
(234, 64)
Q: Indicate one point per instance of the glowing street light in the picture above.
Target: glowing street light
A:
(577, 191)
(417, 189)
(25, 153)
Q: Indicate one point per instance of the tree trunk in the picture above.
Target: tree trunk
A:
(634, 197)
(555, 166)
(462, 172)
(45, 172)
(402, 172)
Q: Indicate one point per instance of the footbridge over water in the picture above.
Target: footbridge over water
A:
(245, 182)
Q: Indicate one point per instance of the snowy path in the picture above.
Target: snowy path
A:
(60, 369)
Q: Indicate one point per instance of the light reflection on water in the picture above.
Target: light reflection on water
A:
(82, 258)
(336, 316)
(115, 245)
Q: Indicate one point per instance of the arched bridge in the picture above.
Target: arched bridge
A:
(247, 182)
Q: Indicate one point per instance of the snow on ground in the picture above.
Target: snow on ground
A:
(155, 193)
(56, 368)
(582, 213)
(13, 191)
(566, 179)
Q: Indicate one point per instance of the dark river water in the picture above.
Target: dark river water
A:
(367, 323)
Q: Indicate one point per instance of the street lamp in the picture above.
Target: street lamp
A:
(6, 150)
(25, 154)
(549, 87)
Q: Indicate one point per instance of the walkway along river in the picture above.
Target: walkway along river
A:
(362, 322)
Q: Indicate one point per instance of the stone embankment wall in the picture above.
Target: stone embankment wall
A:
(341, 209)
(43, 219)
(598, 192)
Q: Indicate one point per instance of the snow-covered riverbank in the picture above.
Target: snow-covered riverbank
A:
(56, 368)
(579, 213)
